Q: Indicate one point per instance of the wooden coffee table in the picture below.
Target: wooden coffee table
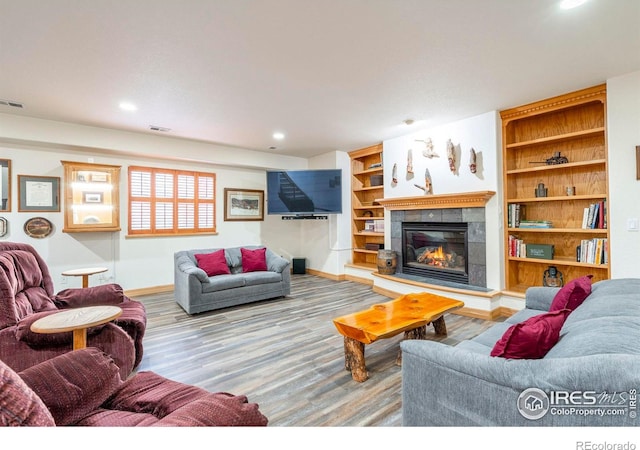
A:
(410, 313)
(76, 320)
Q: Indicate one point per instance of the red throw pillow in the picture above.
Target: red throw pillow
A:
(533, 338)
(254, 260)
(213, 263)
(572, 294)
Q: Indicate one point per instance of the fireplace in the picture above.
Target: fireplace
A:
(467, 209)
(436, 250)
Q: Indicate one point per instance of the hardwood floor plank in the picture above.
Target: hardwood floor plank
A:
(286, 354)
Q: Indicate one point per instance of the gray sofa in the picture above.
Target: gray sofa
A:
(598, 352)
(196, 292)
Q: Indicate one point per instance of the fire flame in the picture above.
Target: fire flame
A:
(439, 254)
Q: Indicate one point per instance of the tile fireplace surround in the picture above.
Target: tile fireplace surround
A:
(453, 208)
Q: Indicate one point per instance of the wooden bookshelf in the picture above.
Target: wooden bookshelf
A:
(573, 124)
(365, 164)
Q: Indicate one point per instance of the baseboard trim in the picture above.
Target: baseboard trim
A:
(149, 290)
(360, 280)
(330, 276)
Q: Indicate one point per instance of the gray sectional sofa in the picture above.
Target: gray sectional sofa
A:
(596, 360)
(196, 292)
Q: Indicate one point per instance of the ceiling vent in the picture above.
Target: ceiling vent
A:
(11, 103)
(157, 128)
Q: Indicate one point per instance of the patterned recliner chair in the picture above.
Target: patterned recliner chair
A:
(27, 294)
(84, 388)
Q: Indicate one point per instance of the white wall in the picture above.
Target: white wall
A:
(623, 126)
(482, 133)
(326, 244)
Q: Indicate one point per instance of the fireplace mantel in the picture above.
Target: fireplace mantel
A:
(441, 201)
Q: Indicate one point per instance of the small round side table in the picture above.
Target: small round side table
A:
(84, 273)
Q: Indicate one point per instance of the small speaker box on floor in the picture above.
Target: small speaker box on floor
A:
(299, 266)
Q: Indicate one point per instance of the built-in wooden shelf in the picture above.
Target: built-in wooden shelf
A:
(573, 125)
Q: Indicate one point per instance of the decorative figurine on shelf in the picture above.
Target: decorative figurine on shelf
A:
(472, 161)
(451, 156)
(409, 163)
(428, 186)
(555, 159)
(394, 174)
(541, 191)
(428, 152)
(552, 277)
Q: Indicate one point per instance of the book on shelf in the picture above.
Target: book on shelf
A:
(378, 225)
(517, 247)
(369, 225)
(515, 214)
(593, 251)
(535, 224)
(594, 216)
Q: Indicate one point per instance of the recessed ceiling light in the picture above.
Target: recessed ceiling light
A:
(570, 4)
(278, 135)
(126, 106)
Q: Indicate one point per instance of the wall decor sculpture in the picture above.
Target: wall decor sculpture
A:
(451, 156)
(472, 161)
(428, 185)
(409, 164)
(394, 174)
(428, 152)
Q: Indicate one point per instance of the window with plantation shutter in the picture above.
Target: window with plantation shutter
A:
(171, 202)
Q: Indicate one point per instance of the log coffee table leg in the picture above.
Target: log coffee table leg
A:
(416, 333)
(440, 326)
(354, 359)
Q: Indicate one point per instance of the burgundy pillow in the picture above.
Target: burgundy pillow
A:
(213, 263)
(533, 338)
(572, 294)
(254, 260)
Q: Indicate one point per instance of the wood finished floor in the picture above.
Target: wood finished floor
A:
(285, 354)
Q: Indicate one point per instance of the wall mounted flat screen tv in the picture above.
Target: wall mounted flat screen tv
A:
(304, 192)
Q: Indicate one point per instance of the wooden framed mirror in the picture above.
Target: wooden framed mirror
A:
(5, 185)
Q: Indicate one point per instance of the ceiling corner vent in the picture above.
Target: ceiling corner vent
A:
(11, 103)
(157, 128)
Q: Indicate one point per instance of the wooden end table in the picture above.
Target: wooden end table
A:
(410, 313)
(84, 273)
(76, 320)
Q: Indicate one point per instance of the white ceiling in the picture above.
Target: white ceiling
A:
(330, 74)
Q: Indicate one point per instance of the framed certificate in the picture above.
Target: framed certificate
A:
(38, 194)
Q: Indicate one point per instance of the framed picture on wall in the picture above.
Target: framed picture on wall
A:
(243, 204)
(38, 194)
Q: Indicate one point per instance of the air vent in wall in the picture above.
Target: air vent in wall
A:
(11, 103)
(156, 128)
